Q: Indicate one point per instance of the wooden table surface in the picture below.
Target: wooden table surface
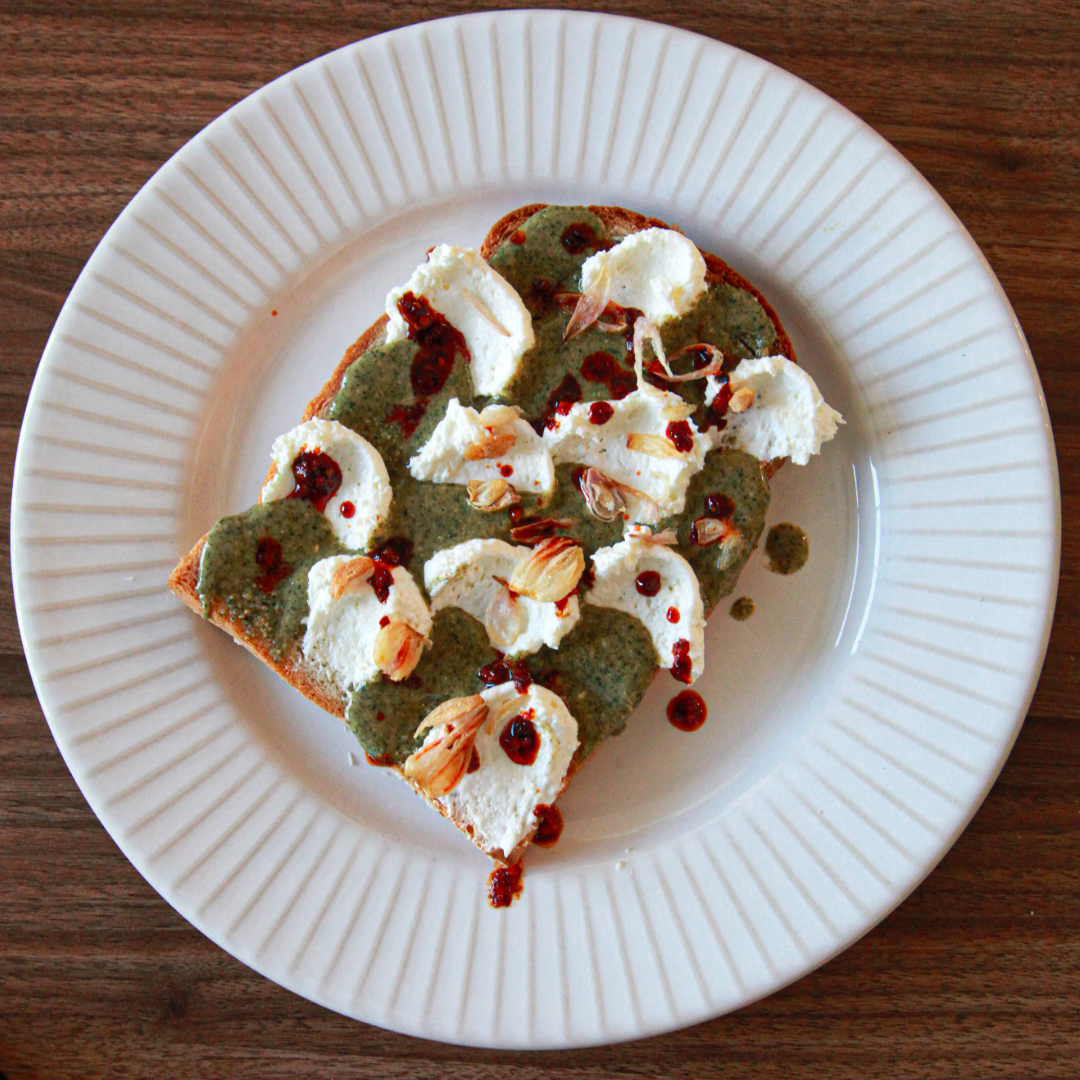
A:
(977, 974)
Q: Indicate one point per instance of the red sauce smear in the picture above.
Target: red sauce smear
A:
(499, 671)
(384, 621)
(317, 476)
(268, 557)
(714, 415)
(561, 605)
(602, 367)
(518, 237)
(395, 551)
(680, 435)
(681, 668)
(718, 505)
(687, 711)
(504, 885)
(600, 412)
(551, 825)
(347, 509)
(381, 579)
(506, 470)
(579, 236)
(540, 299)
(648, 583)
(407, 417)
(560, 401)
(439, 345)
(474, 761)
(520, 740)
(673, 615)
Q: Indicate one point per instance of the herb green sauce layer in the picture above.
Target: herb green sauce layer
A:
(604, 665)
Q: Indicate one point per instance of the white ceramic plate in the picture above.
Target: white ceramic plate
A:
(856, 721)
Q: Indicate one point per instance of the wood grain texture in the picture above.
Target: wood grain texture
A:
(977, 974)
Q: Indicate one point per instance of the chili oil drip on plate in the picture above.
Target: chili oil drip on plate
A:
(787, 547)
(551, 825)
(687, 710)
(504, 885)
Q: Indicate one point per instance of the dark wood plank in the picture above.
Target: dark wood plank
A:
(978, 973)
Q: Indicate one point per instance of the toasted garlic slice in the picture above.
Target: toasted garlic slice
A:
(490, 495)
(653, 445)
(590, 307)
(397, 651)
(667, 537)
(602, 495)
(483, 311)
(742, 399)
(358, 569)
(490, 445)
(551, 572)
(540, 529)
(503, 619)
(437, 768)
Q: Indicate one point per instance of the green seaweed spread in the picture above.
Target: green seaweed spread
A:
(605, 664)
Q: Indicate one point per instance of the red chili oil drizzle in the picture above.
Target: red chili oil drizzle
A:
(504, 885)
(380, 717)
(474, 761)
(381, 579)
(580, 236)
(439, 346)
(499, 671)
(407, 417)
(347, 509)
(317, 476)
(673, 615)
(384, 621)
(518, 237)
(687, 711)
(561, 606)
(680, 435)
(519, 739)
(715, 414)
(268, 558)
(540, 299)
(560, 401)
(395, 551)
(506, 470)
(648, 583)
(681, 667)
(551, 825)
(383, 761)
(602, 367)
(600, 412)
(718, 505)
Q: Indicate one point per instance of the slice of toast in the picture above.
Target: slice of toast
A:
(292, 667)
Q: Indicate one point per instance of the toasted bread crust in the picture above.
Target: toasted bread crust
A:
(184, 579)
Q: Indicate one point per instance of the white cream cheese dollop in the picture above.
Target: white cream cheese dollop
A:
(341, 632)
(499, 799)
(789, 417)
(617, 569)
(365, 485)
(461, 287)
(647, 411)
(464, 576)
(443, 458)
(657, 271)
